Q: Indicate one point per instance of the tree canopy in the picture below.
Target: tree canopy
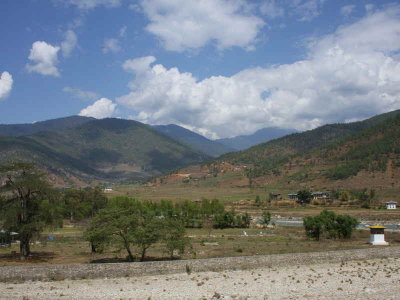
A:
(28, 203)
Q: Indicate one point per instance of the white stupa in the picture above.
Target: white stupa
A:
(378, 235)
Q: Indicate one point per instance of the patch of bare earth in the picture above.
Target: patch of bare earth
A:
(372, 279)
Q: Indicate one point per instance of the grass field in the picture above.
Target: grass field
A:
(69, 247)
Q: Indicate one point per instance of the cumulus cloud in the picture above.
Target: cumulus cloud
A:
(80, 94)
(102, 108)
(189, 24)
(347, 10)
(44, 59)
(69, 43)
(89, 4)
(111, 45)
(6, 83)
(351, 74)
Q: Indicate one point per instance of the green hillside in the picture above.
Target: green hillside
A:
(49, 125)
(269, 157)
(102, 149)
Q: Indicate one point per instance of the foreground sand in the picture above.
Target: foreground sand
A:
(372, 279)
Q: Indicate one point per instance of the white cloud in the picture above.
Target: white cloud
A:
(138, 65)
(306, 10)
(89, 4)
(122, 31)
(102, 108)
(347, 10)
(6, 83)
(44, 59)
(111, 45)
(69, 43)
(351, 74)
(189, 24)
(80, 94)
(271, 9)
(369, 8)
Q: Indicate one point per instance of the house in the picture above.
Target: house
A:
(391, 205)
(320, 195)
(293, 196)
(108, 189)
(275, 196)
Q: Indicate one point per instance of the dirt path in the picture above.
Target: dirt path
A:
(372, 279)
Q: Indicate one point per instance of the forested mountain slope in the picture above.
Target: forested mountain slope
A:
(193, 139)
(107, 149)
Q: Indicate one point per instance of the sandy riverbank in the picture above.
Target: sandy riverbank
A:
(372, 279)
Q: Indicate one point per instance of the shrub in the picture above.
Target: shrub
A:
(335, 226)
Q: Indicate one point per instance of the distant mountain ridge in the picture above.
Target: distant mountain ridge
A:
(107, 149)
(193, 139)
(263, 135)
(359, 155)
(48, 125)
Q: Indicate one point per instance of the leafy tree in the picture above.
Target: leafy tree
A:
(336, 226)
(304, 196)
(345, 226)
(243, 221)
(116, 223)
(148, 231)
(28, 204)
(130, 223)
(83, 203)
(95, 198)
(174, 237)
(313, 227)
(75, 207)
(266, 217)
(224, 220)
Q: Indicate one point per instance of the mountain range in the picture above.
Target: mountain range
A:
(107, 149)
(364, 154)
(358, 155)
(263, 135)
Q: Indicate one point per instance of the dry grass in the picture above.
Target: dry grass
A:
(68, 246)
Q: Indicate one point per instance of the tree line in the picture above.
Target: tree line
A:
(29, 204)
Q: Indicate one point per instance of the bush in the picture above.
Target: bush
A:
(334, 226)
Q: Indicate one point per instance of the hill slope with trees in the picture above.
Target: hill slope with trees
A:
(107, 149)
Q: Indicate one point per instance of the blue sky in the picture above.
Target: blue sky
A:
(219, 67)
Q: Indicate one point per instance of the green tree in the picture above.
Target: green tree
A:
(224, 220)
(345, 226)
(28, 204)
(115, 224)
(148, 231)
(266, 218)
(335, 226)
(174, 237)
(304, 197)
(83, 203)
(313, 227)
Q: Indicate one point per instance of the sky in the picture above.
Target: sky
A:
(221, 68)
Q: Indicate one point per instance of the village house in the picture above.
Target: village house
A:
(391, 205)
(320, 195)
(293, 196)
(275, 196)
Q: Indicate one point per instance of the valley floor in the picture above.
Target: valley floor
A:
(368, 279)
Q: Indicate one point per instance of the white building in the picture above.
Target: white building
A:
(391, 205)
(378, 235)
